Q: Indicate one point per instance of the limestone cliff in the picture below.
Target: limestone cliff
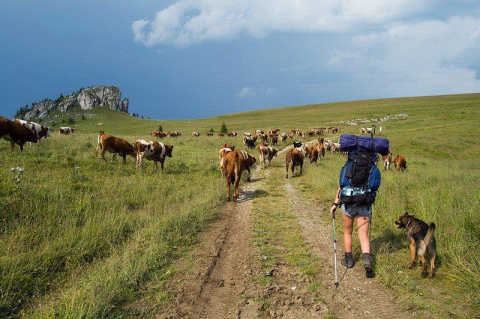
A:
(87, 99)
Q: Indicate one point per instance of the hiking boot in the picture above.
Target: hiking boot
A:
(367, 263)
(348, 261)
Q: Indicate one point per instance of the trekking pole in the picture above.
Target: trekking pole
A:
(335, 249)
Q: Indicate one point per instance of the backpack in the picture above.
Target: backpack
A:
(350, 142)
(359, 179)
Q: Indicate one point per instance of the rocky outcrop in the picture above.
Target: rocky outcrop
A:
(87, 99)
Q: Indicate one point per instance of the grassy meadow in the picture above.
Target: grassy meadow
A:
(81, 238)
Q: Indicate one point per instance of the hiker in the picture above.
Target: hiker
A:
(358, 185)
(362, 215)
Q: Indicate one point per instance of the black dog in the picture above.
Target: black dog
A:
(422, 239)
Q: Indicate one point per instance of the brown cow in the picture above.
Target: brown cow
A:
(293, 159)
(234, 163)
(115, 145)
(158, 134)
(274, 139)
(153, 151)
(174, 134)
(16, 133)
(317, 150)
(266, 154)
(400, 163)
(387, 160)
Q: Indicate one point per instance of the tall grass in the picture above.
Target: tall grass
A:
(81, 238)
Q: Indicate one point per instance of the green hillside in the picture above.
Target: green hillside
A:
(81, 238)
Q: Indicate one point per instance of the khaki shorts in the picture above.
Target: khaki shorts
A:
(353, 211)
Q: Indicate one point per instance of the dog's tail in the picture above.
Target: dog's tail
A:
(430, 234)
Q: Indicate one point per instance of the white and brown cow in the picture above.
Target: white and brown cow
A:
(226, 148)
(234, 164)
(16, 133)
(153, 151)
(400, 163)
(267, 153)
(66, 130)
(387, 161)
(41, 131)
(293, 159)
(115, 145)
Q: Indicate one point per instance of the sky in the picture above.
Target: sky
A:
(190, 59)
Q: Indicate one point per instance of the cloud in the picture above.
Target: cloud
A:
(270, 91)
(188, 22)
(384, 48)
(246, 92)
(424, 58)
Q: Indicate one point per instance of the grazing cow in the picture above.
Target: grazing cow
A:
(400, 163)
(234, 163)
(328, 145)
(195, 134)
(250, 143)
(209, 133)
(66, 130)
(274, 139)
(41, 131)
(335, 130)
(173, 134)
(230, 134)
(153, 151)
(16, 133)
(311, 133)
(226, 148)
(317, 150)
(273, 131)
(158, 134)
(387, 160)
(115, 145)
(335, 147)
(266, 154)
(293, 159)
(313, 154)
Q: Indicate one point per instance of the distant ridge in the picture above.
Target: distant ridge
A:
(85, 98)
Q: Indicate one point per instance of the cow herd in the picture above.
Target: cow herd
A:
(19, 132)
(140, 150)
(232, 162)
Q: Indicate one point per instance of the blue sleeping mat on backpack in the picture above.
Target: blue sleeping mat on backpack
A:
(350, 142)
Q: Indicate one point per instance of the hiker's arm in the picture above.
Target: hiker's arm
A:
(336, 202)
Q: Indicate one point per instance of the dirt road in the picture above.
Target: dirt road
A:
(219, 279)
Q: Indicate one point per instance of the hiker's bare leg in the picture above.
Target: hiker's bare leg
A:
(363, 223)
(347, 232)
